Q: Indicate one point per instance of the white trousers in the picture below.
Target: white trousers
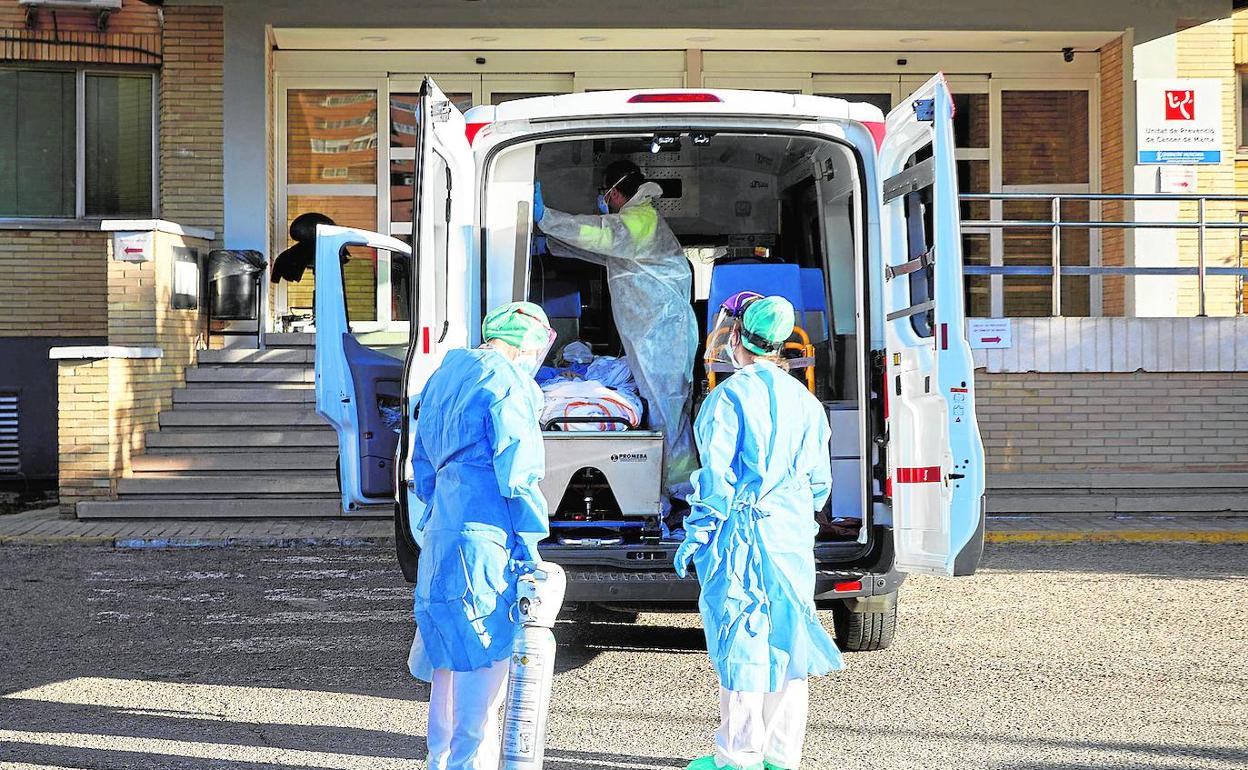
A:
(756, 727)
(463, 718)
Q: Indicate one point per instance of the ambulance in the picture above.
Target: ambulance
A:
(851, 215)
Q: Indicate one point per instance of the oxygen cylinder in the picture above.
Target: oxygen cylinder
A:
(538, 598)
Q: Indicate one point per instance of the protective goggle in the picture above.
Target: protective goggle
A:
(604, 190)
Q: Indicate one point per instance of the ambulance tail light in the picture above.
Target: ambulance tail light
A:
(846, 587)
(683, 97)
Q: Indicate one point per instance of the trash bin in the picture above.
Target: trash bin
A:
(234, 284)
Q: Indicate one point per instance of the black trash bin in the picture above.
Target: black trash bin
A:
(234, 284)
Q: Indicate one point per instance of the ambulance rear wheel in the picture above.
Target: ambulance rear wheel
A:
(865, 625)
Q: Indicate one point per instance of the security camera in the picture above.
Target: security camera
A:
(1068, 55)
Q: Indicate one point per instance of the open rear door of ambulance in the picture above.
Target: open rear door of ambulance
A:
(443, 184)
(935, 455)
(355, 385)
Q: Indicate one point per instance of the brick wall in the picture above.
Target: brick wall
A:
(134, 31)
(1071, 423)
(1207, 51)
(1113, 242)
(192, 118)
(52, 284)
(107, 406)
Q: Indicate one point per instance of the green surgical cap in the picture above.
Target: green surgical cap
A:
(520, 324)
(767, 323)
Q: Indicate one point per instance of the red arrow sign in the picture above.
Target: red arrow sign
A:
(989, 339)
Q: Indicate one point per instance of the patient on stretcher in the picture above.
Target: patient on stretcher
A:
(589, 393)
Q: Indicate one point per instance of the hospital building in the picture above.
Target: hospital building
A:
(153, 154)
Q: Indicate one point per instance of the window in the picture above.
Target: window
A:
(51, 118)
(1243, 108)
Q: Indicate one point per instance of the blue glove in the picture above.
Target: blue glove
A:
(523, 567)
(539, 206)
(684, 555)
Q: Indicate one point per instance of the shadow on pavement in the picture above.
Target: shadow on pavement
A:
(1191, 561)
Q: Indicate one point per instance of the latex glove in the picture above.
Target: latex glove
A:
(523, 566)
(684, 555)
(539, 206)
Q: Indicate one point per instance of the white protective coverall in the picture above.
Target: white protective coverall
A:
(651, 283)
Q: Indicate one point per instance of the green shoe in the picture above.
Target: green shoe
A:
(703, 763)
(770, 766)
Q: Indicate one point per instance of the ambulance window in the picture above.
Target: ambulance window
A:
(440, 209)
(918, 207)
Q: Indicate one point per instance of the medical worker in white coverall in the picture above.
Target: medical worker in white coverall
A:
(651, 282)
(750, 533)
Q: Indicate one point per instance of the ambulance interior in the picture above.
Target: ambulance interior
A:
(772, 214)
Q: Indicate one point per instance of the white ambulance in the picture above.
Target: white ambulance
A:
(850, 215)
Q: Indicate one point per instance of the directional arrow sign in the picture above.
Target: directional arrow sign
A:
(990, 332)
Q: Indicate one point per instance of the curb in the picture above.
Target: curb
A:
(170, 543)
(1118, 536)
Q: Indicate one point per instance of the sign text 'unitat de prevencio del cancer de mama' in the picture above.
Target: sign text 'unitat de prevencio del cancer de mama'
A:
(1179, 121)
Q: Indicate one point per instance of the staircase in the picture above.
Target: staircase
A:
(243, 440)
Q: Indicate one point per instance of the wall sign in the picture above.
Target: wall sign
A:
(1179, 121)
(133, 246)
(986, 333)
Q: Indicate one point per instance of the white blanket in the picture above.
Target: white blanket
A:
(589, 398)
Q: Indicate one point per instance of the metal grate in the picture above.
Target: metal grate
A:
(10, 460)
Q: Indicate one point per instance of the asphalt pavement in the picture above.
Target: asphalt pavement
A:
(1053, 657)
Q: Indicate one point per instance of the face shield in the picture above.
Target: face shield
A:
(718, 356)
(530, 359)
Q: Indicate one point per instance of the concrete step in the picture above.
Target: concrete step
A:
(243, 508)
(230, 463)
(213, 396)
(250, 415)
(1063, 483)
(230, 440)
(237, 485)
(1101, 501)
(290, 340)
(229, 373)
(252, 357)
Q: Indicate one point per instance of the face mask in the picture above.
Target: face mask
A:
(730, 352)
(602, 205)
(528, 363)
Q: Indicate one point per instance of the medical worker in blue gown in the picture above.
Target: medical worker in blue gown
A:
(477, 458)
(750, 534)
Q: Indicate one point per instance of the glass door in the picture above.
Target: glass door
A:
(1044, 140)
(327, 163)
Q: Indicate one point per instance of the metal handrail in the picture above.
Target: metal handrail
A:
(1056, 223)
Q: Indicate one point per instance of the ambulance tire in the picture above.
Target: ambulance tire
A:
(866, 630)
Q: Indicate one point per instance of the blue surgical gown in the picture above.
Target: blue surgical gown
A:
(766, 470)
(477, 458)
